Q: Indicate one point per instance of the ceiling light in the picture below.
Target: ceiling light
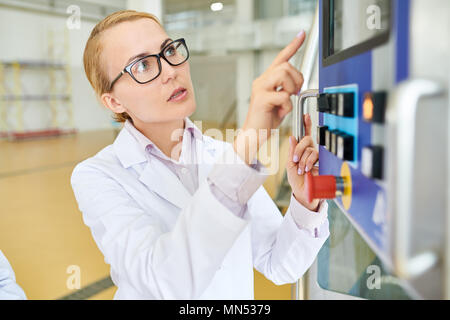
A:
(216, 6)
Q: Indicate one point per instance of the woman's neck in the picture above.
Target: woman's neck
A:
(165, 135)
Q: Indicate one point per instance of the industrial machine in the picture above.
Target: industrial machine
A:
(382, 133)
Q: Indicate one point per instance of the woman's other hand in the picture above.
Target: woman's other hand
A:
(302, 157)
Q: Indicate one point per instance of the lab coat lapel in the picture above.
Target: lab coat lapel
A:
(164, 182)
(156, 176)
(161, 180)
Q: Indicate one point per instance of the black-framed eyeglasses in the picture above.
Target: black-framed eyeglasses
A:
(148, 68)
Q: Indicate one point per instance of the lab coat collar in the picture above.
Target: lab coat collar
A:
(161, 180)
(156, 176)
(130, 148)
(145, 142)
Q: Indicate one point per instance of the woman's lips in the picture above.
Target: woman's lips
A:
(178, 95)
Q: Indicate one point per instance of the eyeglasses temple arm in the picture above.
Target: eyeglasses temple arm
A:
(117, 78)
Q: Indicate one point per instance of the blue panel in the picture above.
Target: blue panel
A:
(356, 70)
(401, 25)
(355, 73)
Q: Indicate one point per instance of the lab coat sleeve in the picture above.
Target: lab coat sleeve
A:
(282, 251)
(178, 264)
(9, 289)
(309, 220)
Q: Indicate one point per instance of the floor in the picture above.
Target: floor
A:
(42, 232)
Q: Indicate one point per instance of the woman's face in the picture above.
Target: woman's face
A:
(153, 101)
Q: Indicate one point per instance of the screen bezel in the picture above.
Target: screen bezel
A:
(329, 57)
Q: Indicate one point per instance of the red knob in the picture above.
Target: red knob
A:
(320, 187)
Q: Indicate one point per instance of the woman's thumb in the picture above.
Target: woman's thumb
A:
(292, 144)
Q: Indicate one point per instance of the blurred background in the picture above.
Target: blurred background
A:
(50, 119)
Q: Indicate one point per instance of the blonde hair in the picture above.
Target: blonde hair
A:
(93, 67)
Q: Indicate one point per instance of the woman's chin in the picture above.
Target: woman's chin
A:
(187, 109)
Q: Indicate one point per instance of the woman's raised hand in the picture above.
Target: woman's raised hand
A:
(270, 101)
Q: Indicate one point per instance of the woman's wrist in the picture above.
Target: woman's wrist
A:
(313, 206)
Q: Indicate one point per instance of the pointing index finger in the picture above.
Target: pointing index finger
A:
(288, 52)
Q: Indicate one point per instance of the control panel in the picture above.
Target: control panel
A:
(352, 102)
(383, 151)
(351, 162)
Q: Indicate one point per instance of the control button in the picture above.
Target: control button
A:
(323, 187)
(345, 106)
(345, 147)
(321, 135)
(334, 135)
(328, 140)
(372, 162)
(333, 102)
(374, 107)
(320, 187)
(323, 103)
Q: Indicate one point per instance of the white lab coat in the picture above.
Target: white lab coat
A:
(9, 289)
(164, 243)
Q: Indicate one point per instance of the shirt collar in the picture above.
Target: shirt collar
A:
(193, 129)
(145, 142)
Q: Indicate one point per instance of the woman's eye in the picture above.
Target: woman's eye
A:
(142, 66)
(170, 51)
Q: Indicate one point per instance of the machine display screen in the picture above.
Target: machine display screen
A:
(353, 25)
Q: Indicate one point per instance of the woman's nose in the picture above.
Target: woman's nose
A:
(168, 71)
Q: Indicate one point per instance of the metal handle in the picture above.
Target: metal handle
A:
(401, 116)
(306, 68)
(299, 126)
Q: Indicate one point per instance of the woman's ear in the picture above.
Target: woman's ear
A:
(112, 103)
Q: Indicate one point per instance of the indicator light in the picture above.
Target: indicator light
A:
(374, 107)
(368, 107)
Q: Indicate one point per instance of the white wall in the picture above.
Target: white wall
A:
(23, 36)
(218, 79)
(213, 77)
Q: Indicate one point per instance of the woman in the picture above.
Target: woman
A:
(172, 214)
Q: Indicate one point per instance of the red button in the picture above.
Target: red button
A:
(320, 187)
